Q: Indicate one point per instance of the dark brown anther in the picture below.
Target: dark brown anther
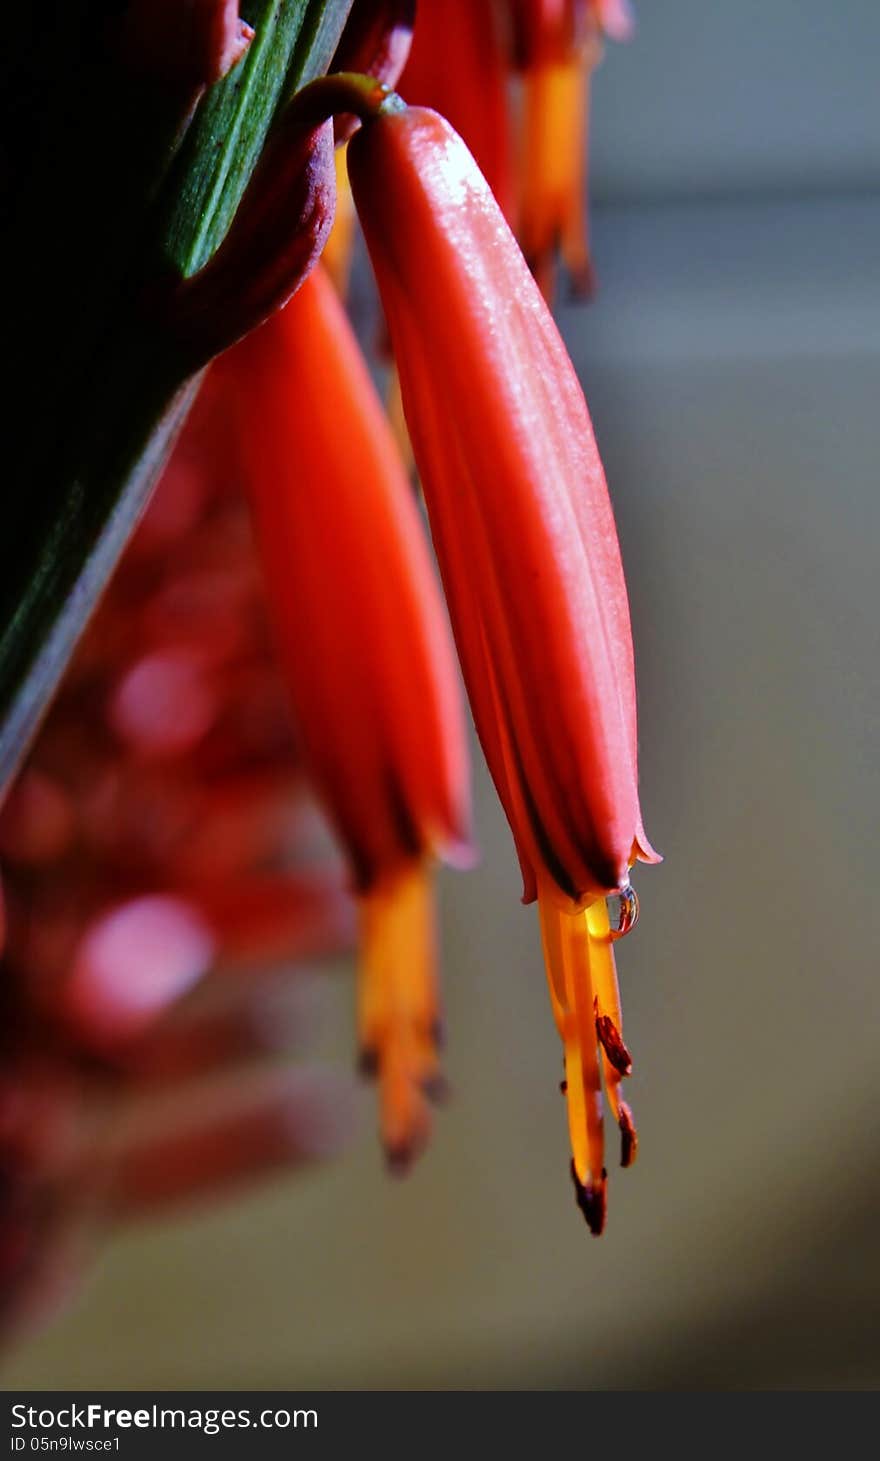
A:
(581, 286)
(611, 1042)
(563, 1086)
(437, 1088)
(376, 42)
(368, 1063)
(591, 1199)
(400, 1158)
(629, 1137)
(438, 1033)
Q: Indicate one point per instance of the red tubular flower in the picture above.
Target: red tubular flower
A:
(558, 44)
(528, 551)
(371, 671)
(554, 164)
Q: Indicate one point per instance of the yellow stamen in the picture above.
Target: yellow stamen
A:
(586, 1007)
(607, 995)
(552, 944)
(398, 1014)
(566, 945)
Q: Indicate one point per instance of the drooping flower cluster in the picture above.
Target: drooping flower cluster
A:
(155, 833)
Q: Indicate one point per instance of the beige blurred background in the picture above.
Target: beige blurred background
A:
(732, 364)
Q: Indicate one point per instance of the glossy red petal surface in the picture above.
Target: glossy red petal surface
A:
(517, 498)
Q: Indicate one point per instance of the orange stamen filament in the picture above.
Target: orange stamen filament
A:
(398, 1013)
(585, 1000)
(607, 997)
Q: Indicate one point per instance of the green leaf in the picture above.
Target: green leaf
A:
(293, 42)
(95, 393)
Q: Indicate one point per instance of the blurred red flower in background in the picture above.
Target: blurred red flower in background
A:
(160, 849)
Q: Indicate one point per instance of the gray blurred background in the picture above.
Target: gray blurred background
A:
(732, 364)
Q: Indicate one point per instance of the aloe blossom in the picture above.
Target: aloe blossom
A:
(558, 45)
(364, 644)
(528, 551)
(555, 143)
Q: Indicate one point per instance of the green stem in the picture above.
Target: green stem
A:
(343, 93)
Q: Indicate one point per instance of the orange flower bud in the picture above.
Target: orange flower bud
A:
(558, 44)
(370, 667)
(554, 163)
(528, 551)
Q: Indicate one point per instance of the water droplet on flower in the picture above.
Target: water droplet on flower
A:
(623, 911)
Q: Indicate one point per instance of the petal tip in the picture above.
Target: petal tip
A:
(642, 851)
